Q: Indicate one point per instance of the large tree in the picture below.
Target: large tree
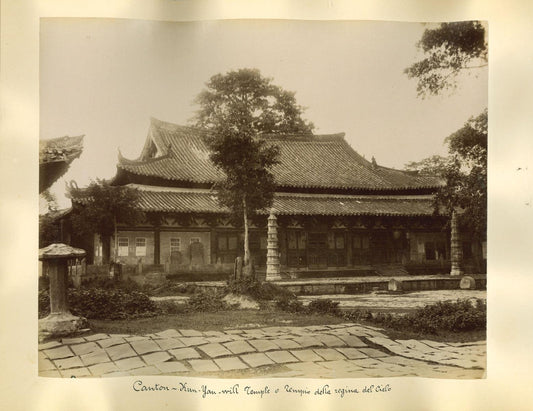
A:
(465, 173)
(236, 108)
(449, 49)
(99, 207)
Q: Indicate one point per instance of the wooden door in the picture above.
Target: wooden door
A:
(317, 250)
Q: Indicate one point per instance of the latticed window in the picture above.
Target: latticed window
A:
(195, 240)
(123, 246)
(175, 244)
(140, 247)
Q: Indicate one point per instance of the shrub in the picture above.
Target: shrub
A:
(325, 306)
(261, 291)
(357, 315)
(290, 304)
(127, 285)
(457, 316)
(170, 307)
(97, 303)
(206, 302)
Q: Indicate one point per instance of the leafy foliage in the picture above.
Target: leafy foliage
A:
(204, 301)
(325, 306)
(430, 166)
(248, 103)
(98, 303)
(466, 176)
(100, 206)
(236, 108)
(450, 49)
(289, 304)
(258, 290)
(462, 315)
(49, 230)
(465, 173)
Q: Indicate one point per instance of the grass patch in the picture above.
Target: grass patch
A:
(211, 321)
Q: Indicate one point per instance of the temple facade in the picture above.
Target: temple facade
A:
(334, 210)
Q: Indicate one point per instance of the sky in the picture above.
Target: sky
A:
(105, 78)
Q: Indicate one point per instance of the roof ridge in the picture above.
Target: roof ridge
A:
(173, 126)
(302, 137)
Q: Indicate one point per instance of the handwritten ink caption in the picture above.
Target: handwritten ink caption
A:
(206, 391)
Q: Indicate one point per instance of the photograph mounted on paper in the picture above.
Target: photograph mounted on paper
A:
(263, 198)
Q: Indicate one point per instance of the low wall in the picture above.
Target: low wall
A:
(360, 286)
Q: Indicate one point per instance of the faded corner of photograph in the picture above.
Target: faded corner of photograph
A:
(263, 199)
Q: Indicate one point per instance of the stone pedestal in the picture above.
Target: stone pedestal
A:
(467, 283)
(60, 321)
(395, 285)
(273, 266)
(456, 248)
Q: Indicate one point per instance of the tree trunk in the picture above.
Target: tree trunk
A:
(246, 260)
(106, 248)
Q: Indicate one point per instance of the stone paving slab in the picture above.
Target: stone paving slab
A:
(169, 333)
(256, 359)
(351, 353)
(214, 350)
(308, 341)
(109, 342)
(329, 354)
(118, 352)
(264, 345)
(60, 352)
(353, 341)
(185, 353)
(103, 368)
(287, 344)
(281, 357)
(77, 340)
(95, 357)
(190, 341)
(169, 343)
(191, 333)
(150, 370)
(66, 363)
(306, 355)
(328, 351)
(145, 346)
(49, 345)
(239, 347)
(230, 363)
(156, 357)
(330, 340)
(171, 367)
(86, 348)
(96, 337)
(203, 365)
(130, 363)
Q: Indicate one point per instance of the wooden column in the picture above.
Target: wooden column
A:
(157, 244)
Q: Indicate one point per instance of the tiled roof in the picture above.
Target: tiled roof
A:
(183, 200)
(310, 161)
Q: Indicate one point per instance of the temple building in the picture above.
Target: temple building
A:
(335, 210)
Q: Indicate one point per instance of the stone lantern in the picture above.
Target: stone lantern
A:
(55, 261)
(272, 271)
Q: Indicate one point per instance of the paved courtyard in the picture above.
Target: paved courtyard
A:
(329, 351)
